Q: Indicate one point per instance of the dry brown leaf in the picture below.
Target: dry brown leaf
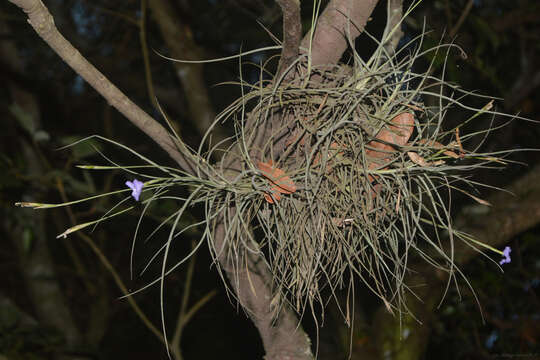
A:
(439, 146)
(480, 201)
(270, 198)
(398, 133)
(281, 182)
(417, 159)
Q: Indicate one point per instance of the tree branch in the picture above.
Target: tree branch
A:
(282, 337)
(462, 18)
(339, 19)
(292, 33)
(43, 23)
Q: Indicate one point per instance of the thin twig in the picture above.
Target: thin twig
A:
(448, 12)
(199, 304)
(462, 18)
(146, 58)
(117, 14)
(175, 341)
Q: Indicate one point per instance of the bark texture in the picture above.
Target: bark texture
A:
(341, 18)
(282, 336)
(292, 33)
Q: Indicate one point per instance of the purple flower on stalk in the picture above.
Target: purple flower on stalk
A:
(136, 186)
(506, 254)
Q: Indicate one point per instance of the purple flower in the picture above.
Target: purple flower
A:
(136, 186)
(506, 254)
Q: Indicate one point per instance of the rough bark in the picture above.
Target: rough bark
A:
(292, 33)
(340, 18)
(282, 337)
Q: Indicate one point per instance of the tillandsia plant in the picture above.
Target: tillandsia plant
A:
(335, 173)
(355, 179)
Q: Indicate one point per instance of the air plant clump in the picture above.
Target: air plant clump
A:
(342, 173)
(354, 180)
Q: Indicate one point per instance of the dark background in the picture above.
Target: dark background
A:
(500, 37)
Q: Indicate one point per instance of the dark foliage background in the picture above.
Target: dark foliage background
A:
(55, 107)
